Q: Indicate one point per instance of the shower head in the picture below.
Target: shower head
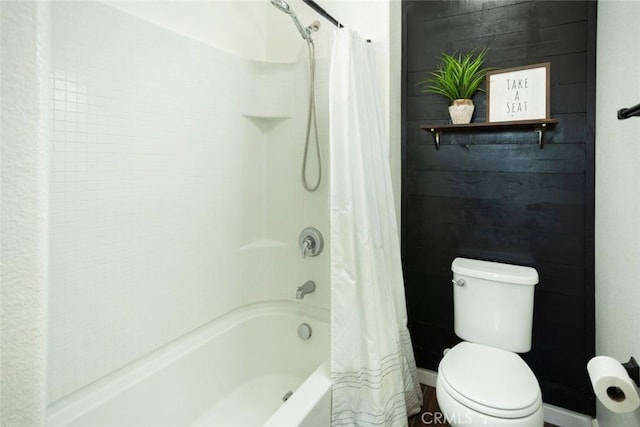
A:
(284, 7)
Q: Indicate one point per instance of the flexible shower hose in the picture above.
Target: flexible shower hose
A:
(311, 116)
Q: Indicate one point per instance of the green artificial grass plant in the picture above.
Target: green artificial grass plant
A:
(458, 76)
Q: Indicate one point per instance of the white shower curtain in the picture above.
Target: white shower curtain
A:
(372, 364)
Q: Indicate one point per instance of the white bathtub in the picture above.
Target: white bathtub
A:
(232, 372)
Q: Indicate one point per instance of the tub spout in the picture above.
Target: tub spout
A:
(308, 287)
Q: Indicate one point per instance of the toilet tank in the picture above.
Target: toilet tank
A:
(493, 303)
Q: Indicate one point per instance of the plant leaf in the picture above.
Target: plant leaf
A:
(458, 75)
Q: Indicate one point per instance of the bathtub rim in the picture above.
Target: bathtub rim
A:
(307, 398)
(78, 403)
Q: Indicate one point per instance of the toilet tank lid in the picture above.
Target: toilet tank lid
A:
(495, 271)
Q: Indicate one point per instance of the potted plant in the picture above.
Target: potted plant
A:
(458, 78)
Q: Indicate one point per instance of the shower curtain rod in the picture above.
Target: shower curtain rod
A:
(315, 6)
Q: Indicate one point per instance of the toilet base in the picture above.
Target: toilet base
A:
(458, 415)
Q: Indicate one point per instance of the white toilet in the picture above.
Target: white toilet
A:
(482, 381)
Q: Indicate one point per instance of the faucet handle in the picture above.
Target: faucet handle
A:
(307, 246)
(310, 242)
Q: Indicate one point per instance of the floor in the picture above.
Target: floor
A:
(430, 414)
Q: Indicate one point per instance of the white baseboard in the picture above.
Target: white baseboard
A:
(427, 377)
(552, 414)
(566, 418)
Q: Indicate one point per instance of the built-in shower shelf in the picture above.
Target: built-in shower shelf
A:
(266, 122)
(267, 116)
(263, 244)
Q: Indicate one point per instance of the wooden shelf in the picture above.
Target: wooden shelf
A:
(538, 126)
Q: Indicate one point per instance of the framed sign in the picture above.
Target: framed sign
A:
(520, 93)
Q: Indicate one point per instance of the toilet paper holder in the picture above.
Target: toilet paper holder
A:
(633, 370)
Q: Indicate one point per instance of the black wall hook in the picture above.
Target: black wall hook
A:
(625, 113)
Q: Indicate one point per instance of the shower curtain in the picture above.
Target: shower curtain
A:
(372, 364)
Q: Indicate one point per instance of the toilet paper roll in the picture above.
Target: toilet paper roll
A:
(612, 384)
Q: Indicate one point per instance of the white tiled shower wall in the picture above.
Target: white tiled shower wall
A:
(175, 196)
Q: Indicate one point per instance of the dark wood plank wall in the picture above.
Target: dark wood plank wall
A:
(495, 195)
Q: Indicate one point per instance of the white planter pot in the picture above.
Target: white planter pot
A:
(461, 111)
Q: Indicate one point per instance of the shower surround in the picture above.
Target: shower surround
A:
(174, 167)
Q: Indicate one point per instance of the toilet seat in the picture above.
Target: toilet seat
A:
(490, 381)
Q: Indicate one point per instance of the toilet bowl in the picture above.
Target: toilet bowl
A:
(479, 385)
